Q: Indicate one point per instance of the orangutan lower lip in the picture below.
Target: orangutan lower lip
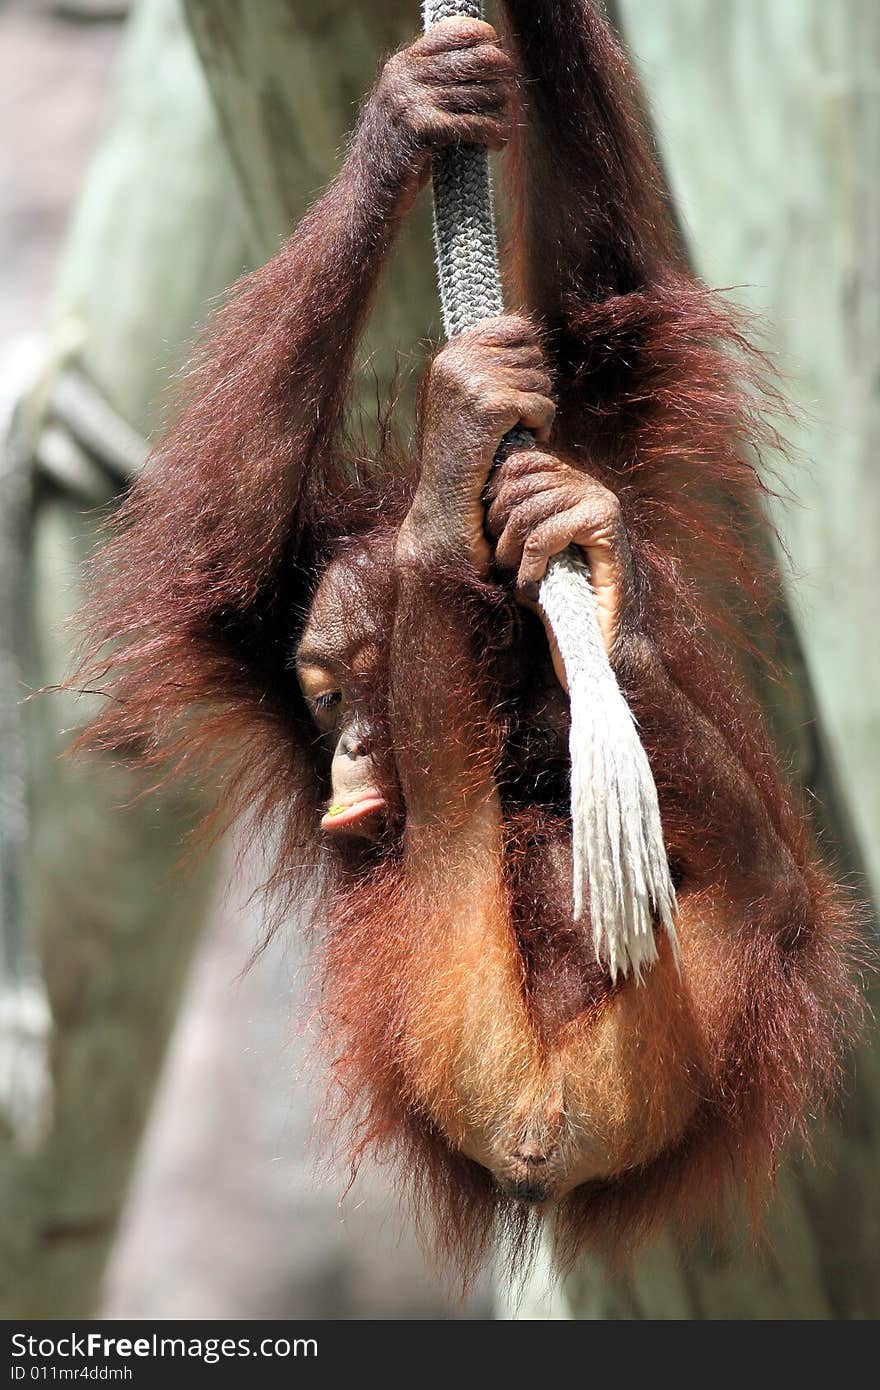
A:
(342, 816)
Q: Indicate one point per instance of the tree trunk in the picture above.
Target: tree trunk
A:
(157, 232)
(768, 119)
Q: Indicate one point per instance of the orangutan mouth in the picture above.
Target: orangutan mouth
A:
(353, 815)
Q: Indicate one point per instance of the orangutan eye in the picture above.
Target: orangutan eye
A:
(325, 708)
(327, 700)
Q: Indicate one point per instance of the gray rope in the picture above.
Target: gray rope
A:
(619, 860)
(25, 1018)
(100, 431)
(56, 423)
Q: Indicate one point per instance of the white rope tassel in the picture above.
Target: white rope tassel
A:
(620, 867)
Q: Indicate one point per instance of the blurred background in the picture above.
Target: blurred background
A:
(156, 1111)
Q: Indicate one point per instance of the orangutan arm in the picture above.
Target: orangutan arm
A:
(273, 373)
(482, 384)
(203, 578)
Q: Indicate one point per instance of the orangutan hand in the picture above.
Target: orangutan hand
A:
(451, 85)
(484, 382)
(539, 505)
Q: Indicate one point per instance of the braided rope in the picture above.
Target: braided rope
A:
(54, 421)
(619, 860)
(25, 1015)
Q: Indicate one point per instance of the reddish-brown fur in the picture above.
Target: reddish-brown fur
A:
(204, 589)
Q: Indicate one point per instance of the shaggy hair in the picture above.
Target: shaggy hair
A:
(203, 590)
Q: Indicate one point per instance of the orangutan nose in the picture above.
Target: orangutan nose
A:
(530, 1154)
(353, 744)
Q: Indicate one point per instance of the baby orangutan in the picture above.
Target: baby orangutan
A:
(367, 639)
(530, 1061)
